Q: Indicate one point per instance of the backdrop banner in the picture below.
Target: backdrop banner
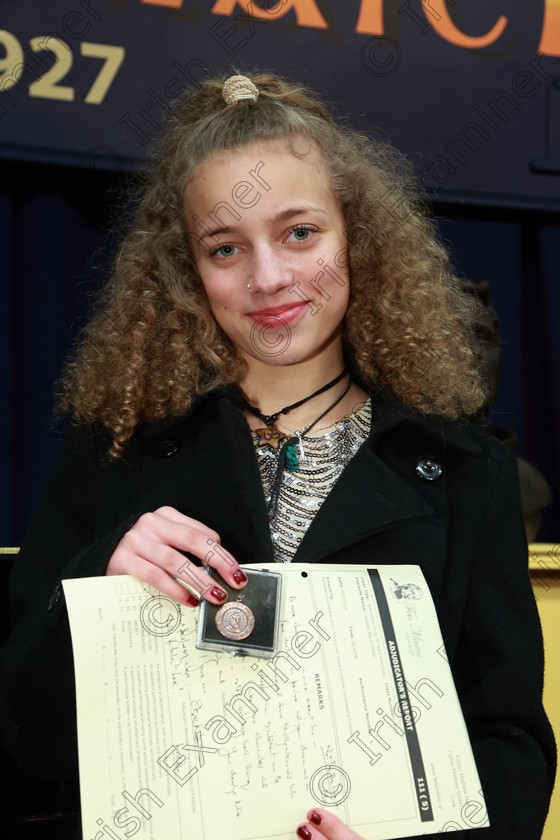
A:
(469, 91)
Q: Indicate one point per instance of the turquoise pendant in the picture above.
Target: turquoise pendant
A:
(291, 461)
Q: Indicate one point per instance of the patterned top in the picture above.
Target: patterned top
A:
(321, 458)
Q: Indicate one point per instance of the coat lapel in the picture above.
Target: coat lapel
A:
(245, 481)
(370, 496)
(367, 498)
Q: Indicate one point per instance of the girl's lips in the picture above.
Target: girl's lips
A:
(275, 316)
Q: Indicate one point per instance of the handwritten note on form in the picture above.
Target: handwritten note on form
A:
(357, 712)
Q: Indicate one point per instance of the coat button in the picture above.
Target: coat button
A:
(167, 447)
(55, 597)
(428, 469)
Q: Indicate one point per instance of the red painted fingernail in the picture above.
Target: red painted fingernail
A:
(315, 818)
(192, 601)
(218, 593)
(239, 576)
(304, 833)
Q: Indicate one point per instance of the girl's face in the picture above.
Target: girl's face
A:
(264, 218)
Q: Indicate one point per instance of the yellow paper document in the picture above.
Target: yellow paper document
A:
(357, 712)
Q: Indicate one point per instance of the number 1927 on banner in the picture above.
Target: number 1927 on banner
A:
(46, 84)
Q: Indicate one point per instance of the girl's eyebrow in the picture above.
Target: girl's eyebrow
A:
(296, 211)
(284, 216)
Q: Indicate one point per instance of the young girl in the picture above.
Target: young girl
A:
(280, 369)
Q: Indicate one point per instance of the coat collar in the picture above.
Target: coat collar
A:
(388, 413)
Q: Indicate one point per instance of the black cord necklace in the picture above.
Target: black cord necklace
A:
(270, 434)
(287, 457)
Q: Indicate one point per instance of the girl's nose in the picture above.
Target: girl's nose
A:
(269, 272)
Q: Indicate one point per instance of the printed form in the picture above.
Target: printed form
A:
(357, 712)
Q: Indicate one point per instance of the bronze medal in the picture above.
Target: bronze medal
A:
(235, 621)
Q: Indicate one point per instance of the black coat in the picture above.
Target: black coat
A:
(464, 529)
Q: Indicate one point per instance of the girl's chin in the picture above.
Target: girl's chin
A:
(275, 361)
(281, 348)
(273, 347)
(290, 356)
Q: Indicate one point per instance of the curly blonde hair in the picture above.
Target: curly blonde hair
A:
(153, 347)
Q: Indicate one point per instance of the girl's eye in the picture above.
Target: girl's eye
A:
(300, 234)
(224, 251)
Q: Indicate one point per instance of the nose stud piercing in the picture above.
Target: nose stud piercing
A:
(250, 289)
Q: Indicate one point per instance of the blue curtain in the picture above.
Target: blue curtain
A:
(54, 228)
(55, 244)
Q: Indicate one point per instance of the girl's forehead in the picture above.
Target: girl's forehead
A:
(276, 180)
(298, 148)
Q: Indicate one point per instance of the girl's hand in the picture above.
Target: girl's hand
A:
(151, 552)
(325, 826)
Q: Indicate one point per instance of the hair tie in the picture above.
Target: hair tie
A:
(239, 87)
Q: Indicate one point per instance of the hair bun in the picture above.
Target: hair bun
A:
(239, 87)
